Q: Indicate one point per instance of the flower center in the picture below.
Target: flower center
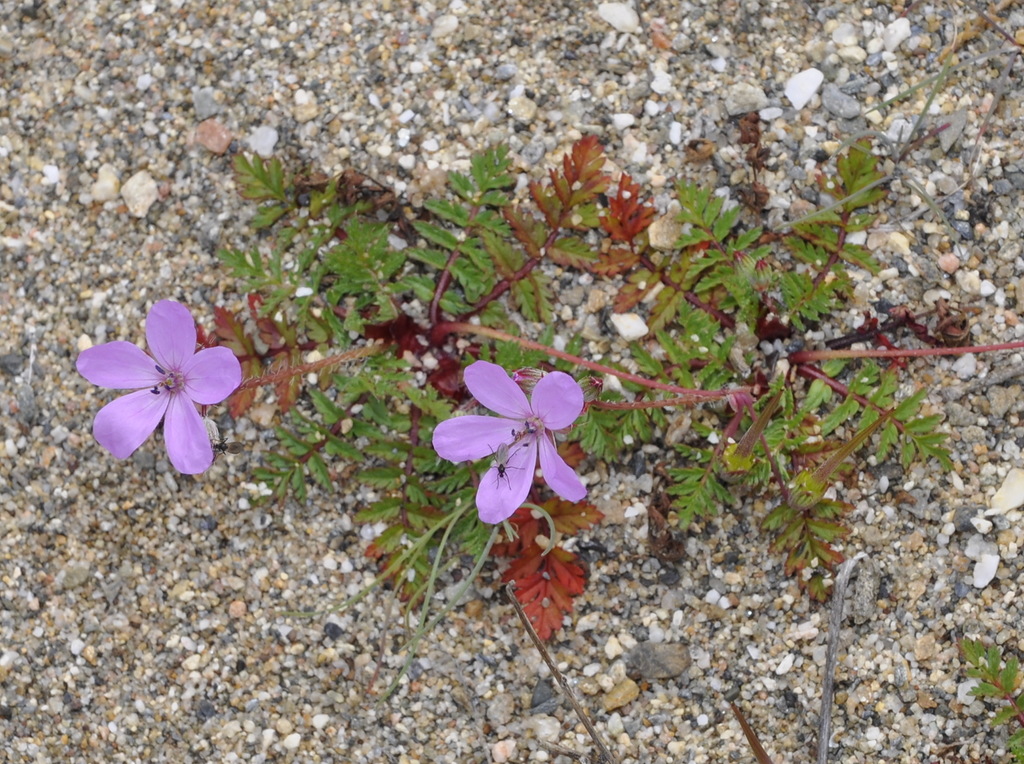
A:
(172, 382)
(531, 427)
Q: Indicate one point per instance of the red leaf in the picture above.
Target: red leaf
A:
(628, 215)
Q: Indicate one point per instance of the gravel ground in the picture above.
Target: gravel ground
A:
(143, 613)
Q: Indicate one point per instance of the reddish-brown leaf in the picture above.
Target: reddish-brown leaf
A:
(628, 215)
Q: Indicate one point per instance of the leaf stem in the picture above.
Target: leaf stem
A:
(806, 356)
(694, 396)
(306, 368)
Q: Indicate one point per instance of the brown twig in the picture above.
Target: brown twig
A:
(606, 755)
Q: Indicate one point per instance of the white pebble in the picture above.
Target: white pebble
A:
(107, 184)
(985, 570)
(966, 366)
(801, 87)
(139, 192)
(319, 721)
(76, 646)
(291, 742)
(963, 691)
(675, 133)
(444, 26)
(622, 120)
(613, 648)
(1010, 494)
(629, 326)
(661, 83)
(896, 33)
(621, 16)
(51, 175)
(987, 288)
(262, 140)
(785, 664)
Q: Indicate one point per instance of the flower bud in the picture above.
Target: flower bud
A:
(592, 388)
(527, 379)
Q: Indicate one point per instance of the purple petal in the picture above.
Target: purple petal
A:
(557, 474)
(188, 445)
(211, 375)
(124, 424)
(498, 497)
(118, 365)
(466, 438)
(171, 334)
(557, 400)
(494, 388)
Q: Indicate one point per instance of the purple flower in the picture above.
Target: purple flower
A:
(168, 385)
(513, 439)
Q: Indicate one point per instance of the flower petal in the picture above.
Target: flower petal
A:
(557, 400)
(466, 438)
(124, 424)
(494, 388)
(557, 474)
(211, 375)
(118, 365)
(170, 334)
(188, 445)
(499, 496)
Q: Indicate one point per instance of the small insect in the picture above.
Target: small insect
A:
(221, 445)
(500, 463)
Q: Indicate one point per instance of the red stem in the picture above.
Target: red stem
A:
(806, 356)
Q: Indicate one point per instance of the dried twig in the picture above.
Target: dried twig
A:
(835, 623)
(606, 755)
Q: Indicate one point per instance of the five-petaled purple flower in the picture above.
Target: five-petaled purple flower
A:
(168, 384)
(514, 438)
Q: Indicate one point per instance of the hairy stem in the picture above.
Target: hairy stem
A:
(306, 368)
(458, 327)
(806, 356)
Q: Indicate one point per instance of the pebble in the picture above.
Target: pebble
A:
(896, 33)
(801, 87)
(839, 103)
(658, 660)
(522, 108)
(622, 121)
(262, 140)
(204, 101)
(291, 742)
(620, 16)
(213, 136)
(1010, 494)
(966, 366)
(107, 184)
(139, 193)
(306, 107)
(744, 97)
(622, 693)
(630, 326)
(502, 751)
(613, 648)
(985, 570)
(444, 26)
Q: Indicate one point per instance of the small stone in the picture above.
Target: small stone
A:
(801, 87)
(502, 751)
(291, 742)
(262, 140)
(629, 326)
(624, 692)
(237, 609)
(522, 108)
(444, 26)
(896, 33)
(319, 721)
(966, 366)
(204, 101)
(505, 72)
(620, 16)
(622, 120)
(785, 664)
(845, 34)
(985, 570)
(955, 124)
(306, 107)
(664, 232)
(839, 103)
(1010, 494)
(107, 184)
(212, 135)
(613, 648)
(949, 263)
(926, 647)
(987, 288)
(501, 709)
(743, 98)
(650, 660)
(661, 83)
(139, 193)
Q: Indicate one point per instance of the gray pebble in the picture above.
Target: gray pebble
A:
(839, 103)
